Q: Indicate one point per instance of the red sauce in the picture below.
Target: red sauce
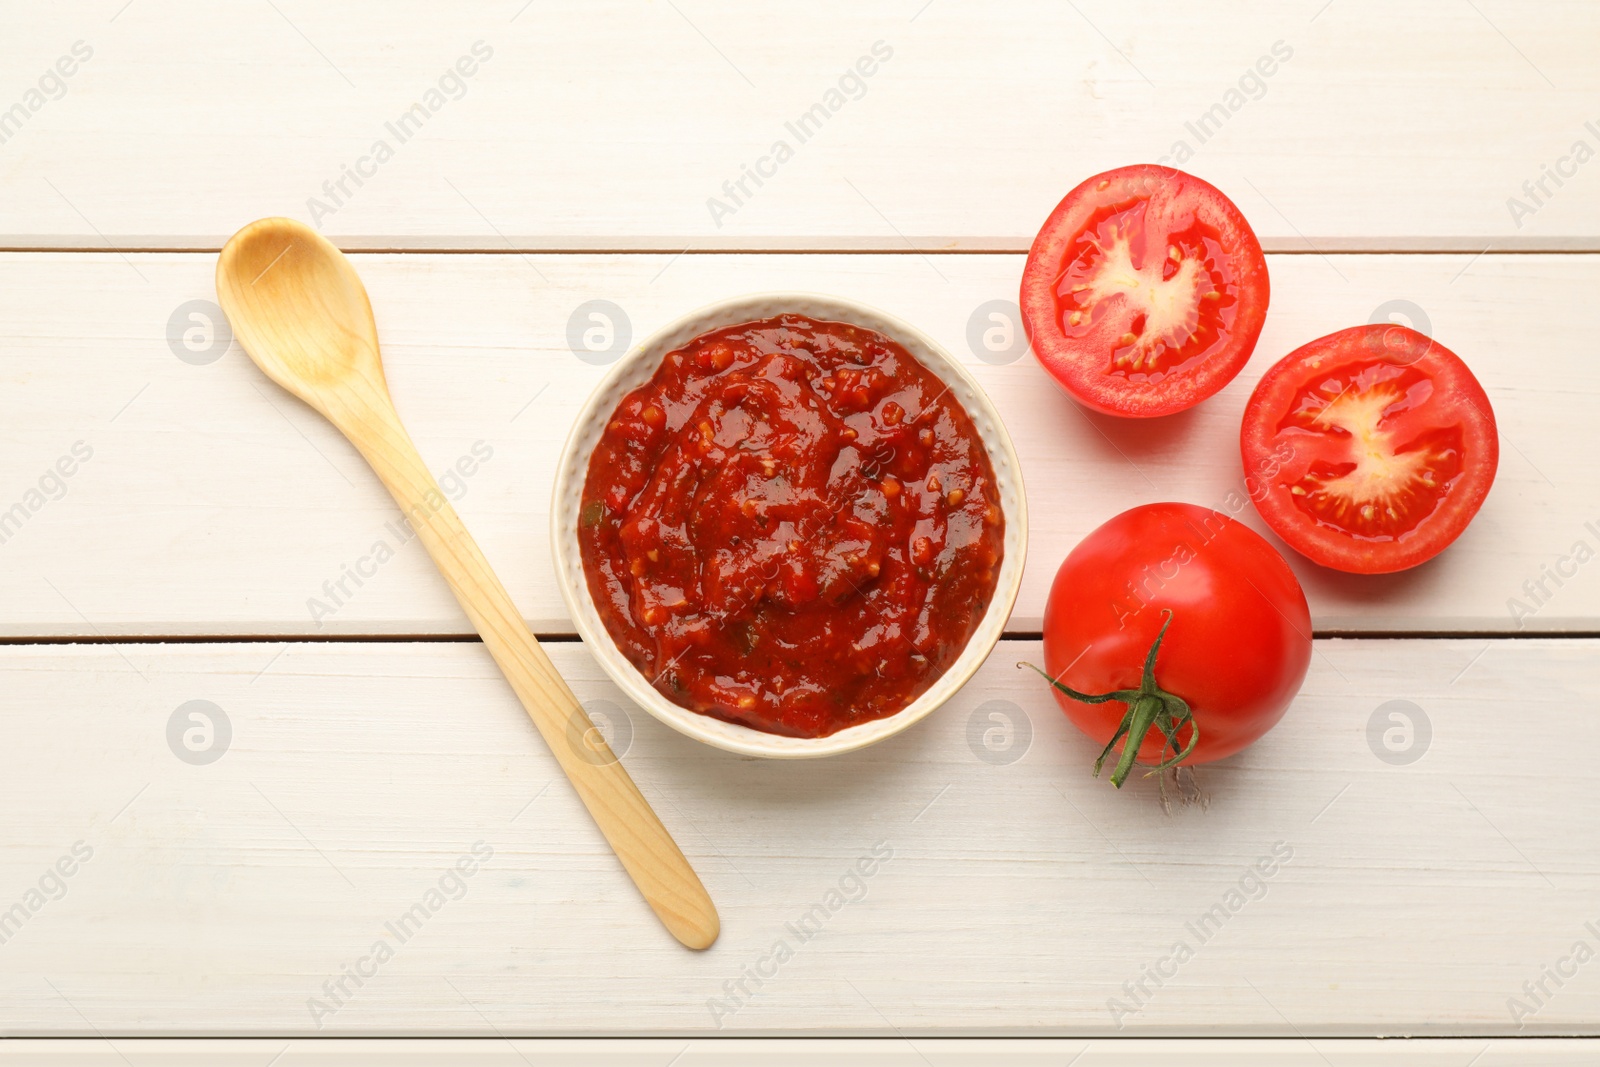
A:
(793, 525)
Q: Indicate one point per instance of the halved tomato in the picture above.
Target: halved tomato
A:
(1382, 446)
(1144, 292)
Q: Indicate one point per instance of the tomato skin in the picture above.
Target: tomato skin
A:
(1437, 441)
(1236, 650)
(1175, 206)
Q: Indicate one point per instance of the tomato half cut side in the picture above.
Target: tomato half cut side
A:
(1144, 292)
(1371, 448)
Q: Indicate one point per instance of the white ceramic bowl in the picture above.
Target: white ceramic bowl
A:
(632, 371)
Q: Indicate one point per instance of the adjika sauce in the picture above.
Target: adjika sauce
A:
(793, 525)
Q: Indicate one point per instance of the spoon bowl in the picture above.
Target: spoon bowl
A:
(278, 263)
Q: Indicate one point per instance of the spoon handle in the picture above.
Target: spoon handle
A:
(647, 851)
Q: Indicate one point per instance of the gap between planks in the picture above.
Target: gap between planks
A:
(574, 639)
(821, 246)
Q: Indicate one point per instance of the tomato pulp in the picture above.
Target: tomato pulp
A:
(1144, 292)
(1236, 647)
(1390, 442)
(793, 525)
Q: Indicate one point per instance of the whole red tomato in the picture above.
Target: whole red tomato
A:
(1179, 627)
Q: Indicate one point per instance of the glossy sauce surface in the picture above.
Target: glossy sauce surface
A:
(793, 525)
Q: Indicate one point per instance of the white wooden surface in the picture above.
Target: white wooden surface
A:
(1021, 895)
(610, 125)
(201, 468)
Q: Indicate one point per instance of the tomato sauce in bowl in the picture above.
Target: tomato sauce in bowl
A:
(792, 525)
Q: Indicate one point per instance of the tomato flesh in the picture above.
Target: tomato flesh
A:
(1145, 292)
(1153, 310)
(1385, 447)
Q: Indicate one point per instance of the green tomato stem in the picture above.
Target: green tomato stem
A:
(1150, 707)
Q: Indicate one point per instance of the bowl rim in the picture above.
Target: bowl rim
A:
(635, 367)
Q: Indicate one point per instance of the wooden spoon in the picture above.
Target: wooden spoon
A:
(302, 314)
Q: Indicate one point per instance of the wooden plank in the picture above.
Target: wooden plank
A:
(1010, 892)
(215, 504)
(614, 125)
(845, 1052)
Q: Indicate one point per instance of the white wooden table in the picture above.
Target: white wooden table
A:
(564, 154)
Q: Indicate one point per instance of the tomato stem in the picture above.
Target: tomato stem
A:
(1149, 707)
